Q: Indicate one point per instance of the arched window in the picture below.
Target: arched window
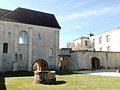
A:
(9, 35)
(50, 53)
(16, 57)
(23, 37)
(5, 48)
(20, 56)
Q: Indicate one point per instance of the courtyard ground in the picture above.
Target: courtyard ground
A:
(65, 81)
(102, 72)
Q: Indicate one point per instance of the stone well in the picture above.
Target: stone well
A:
(45, 77)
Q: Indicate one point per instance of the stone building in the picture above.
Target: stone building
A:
(106, 41)
(93, 51)
(81, 59)
(27, 36)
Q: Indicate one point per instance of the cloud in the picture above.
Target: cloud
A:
(89, 13)
(77, 5)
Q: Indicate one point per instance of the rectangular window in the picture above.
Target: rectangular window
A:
(86, 43)
(93, 41)
(100, 40)
(108, 48)
(108, 38)
(100, 48)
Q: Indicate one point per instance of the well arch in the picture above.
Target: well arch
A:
(40, 65)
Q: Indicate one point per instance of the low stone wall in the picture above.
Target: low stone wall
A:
(83, 59)
(45, 77)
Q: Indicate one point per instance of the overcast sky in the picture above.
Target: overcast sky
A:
(76, 17)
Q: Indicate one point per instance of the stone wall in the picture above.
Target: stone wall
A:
(82, 59)
(40, 40)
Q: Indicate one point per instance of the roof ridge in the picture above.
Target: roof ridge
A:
(34, 17)
(4, 12)
(5, 9)
(34, 10)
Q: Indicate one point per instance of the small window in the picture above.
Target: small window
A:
(50, 53)
(100, 48)
(9, 35)
(39, 36)
(108, 48)
(5, 48)
(100, 40)
(108, 38)
(20, 56)
(86, 43)
(93, 41)
(16, 57)
(23, 37)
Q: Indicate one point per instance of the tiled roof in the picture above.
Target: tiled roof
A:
(3, 12)
(28, 16)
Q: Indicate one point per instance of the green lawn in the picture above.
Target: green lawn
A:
(64, 82)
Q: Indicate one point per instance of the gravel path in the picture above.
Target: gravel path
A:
(103, 72)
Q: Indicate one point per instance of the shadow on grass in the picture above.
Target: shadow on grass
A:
(64, 72)
(18, 73)
(2, 82)
(56, 83)
(30, 73)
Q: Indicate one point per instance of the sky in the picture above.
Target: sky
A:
(76, 17)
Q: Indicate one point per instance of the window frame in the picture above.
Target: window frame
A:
(108, 48)
(100, 40)
(86, 43)
(108, 38)
(20, 57)
(93, 41)
(23, 37)
(5, 47)
(101, 48)
(50, 52)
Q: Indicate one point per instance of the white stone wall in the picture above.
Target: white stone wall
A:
(114, 42)
(37, 48)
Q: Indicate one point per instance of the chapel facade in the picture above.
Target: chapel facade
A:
(27, 36)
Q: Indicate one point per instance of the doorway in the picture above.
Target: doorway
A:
(95, 63)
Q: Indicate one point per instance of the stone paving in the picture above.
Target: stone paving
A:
(103, 72)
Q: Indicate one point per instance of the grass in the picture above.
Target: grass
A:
(65, 81)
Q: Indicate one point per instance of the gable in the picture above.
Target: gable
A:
(28, 16)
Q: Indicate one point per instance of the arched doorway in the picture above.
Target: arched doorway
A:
(40, 65)
(64, 62)
(95, 63)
